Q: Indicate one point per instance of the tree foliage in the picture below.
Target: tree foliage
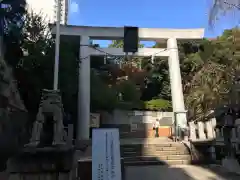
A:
(150, 78)
(212, 75)
(11, 14)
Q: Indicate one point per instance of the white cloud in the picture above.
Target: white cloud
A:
(74, 8)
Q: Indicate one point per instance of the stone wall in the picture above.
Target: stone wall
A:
(128, 117)
(138, 124)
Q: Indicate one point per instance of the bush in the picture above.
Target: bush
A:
(158, 104)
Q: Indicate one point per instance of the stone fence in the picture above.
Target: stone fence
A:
(206, 130)
(202, 130)
(208, 137)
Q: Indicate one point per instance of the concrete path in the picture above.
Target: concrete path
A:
(179, 172)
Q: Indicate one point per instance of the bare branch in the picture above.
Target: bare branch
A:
(220, 8)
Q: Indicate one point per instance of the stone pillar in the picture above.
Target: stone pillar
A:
(213, 153)
(238, 133)
(209, 128)
(192, 129)
(84, 90)
(202, 136)
(234, 135)
(70, 135)
(214, 123)
(176, 83)
(218, 133)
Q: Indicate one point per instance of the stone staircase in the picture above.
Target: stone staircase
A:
(171, 153)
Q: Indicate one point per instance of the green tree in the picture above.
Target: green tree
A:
(211, 73)
(34, 70)
(154, 75)
(103, 95)
(11, 22)
(119, 44)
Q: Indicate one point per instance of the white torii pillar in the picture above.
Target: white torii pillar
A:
(176, 83)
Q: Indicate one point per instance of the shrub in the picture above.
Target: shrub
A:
(158, 104)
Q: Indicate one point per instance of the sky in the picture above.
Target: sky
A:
(147, 13)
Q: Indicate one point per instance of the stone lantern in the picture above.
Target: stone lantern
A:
(230, 162)
(229, 119)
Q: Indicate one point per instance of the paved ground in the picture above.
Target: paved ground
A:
(180, 172)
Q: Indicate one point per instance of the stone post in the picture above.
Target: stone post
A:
(234, 135)
(70, 135)
(214, 123)
(213, 153)
(192, 129)
(202, 136)
(209, 129)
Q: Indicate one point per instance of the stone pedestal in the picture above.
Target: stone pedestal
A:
(41, 163)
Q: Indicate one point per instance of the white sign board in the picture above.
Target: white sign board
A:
(106, 164)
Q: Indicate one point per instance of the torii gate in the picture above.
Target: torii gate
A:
(170, 36)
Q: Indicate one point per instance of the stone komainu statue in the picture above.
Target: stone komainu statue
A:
(48, 128)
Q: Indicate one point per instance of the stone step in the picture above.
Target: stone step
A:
(165, 150)
(129, 149)
(154, 146)
(171, 153)
(155, 153)
(167, 144)
(160, 151)
(148, 145)
(178, 162)
(152, 161)
(175, 157)
(164, 157)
